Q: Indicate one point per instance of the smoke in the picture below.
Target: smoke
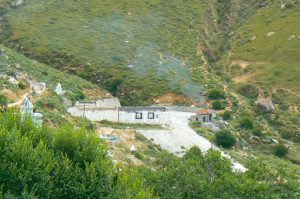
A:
(173, 70)
(134, 43)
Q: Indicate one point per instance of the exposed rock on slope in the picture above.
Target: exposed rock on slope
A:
(265, 105)
(17, 3)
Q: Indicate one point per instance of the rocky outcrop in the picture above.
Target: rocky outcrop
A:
(17, 3)
(265, 106)
(58, 90)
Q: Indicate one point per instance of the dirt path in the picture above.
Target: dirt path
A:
(291, 92)
(18, 102)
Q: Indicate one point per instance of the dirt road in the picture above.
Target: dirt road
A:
(181, 137)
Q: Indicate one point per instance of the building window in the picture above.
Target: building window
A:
(151, 115)
(138, 115)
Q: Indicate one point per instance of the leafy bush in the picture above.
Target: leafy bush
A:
(216, 94)
(225, 139)
(22, 85)
(246, 123)
(52, 102)
(140, 137)
(79, 95)
(218, 105)
(226, 115)
(196, 124)
(286, 134)
(257, 132)
(139, 155)
(280, 150)
(59, 163)
(3, 100)
(248, 91)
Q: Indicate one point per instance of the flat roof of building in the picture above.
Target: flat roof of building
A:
(102, 103)
(143, 108)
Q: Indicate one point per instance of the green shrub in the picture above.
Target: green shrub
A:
(286, 134)
(52, 102)
(139, 155)
(216, 94)
(257, 132)
(196, 124)
(225, 139)
(22, 85)
(280, 150)
(248, 91)
(226, 115)
(246, 123)
(3, 100)
(78, 96)
(218, 105)
(59, 163)
(140, 137)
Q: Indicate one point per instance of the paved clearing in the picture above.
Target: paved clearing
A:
(181, 137)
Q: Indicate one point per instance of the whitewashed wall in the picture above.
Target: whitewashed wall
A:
(113, 115)
(95, 115)
(130, 117)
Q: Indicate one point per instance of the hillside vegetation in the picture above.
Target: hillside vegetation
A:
(64, 163)
(53, 106)
(136, 50)
(267, 48)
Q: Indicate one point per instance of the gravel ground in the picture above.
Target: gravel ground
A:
(181, 137)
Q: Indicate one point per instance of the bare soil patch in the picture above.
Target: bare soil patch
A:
(172, 99)
(95, 93)
(14, 96)
(244, 63)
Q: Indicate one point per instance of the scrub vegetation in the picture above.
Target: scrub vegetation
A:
(67, 163)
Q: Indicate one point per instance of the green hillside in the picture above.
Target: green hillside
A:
(240, 58)
(51, 105)
(140, 49)
(270, 43)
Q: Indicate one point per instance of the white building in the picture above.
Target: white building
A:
(103, 109)
(110, 109)
(143, 115)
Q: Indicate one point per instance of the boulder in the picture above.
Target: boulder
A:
(132, 148)
(17, 3)
(2, 53)
(58, 90)
(265, 106)
(270, 34)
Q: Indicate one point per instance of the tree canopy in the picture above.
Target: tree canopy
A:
(41, 162)
(59, 163)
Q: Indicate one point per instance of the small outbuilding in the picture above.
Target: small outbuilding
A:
(204, 116)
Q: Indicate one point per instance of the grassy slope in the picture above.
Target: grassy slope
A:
(44, 73)
(279, 55)
(50, 104)
(101, 39)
